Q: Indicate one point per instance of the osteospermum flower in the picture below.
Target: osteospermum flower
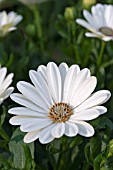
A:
(5, 90)
(8, 22)
(99, 22)
(59, 102)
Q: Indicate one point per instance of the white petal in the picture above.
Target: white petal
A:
(20, 99)
(14, 18)
(32, 136)
(8, 80)
(45, 135)
(23, 111)
(98, 15)
(69, 81)
(95, 99)
(12, 29)
(88, 114)
(95, 34)
(77, 84)
(54, 81)
(90, 19)
(3, 72)
(101, 109)
(7, 92)
(88, 34)
(85, 129)
(84, 92)
(11, 16)
(42, 70)
(41, 86)
(30, 123)
(17, 19)
(58, 130)
(63, 68)
(85, 24)
(1, 100)
(3, 18)
(70, 129)
(30, 92)
(108, 13)
(107, 38)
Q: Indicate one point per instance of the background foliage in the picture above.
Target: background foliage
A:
(49, 32)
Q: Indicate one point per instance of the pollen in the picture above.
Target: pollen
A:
(60, 112)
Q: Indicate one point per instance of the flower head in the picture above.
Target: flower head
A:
(99, 22)
(8, 22)
(59, 102)
(5, 90)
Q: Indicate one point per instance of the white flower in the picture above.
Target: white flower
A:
(8, 22)
(32, 1)
(99, 22)
(58, 103)
(5, 90)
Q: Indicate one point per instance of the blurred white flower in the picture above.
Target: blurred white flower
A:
(58, 103)
(99, 22)
(8, 22)
(5, 90)
(32, 1)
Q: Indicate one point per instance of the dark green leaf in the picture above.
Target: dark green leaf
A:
(20, 153)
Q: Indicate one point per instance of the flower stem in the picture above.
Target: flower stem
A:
(99, 60)
(37, 21)
(59, 164)
(74, 43)
(72, 40)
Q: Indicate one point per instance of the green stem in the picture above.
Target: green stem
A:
(59, 162)
(74, 43)
(1, 50)
(99, 60)
(37, 21)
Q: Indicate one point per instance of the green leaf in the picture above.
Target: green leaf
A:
(76, 141)
(20, 153)
(28, 157)
(87, 154)
(4, 161)
(2, 118)
(97, 162)
(3, 143)
(3, 134)
(101, 123)
(95, 145)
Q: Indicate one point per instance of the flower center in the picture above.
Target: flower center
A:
(60, 112)
(106, 31)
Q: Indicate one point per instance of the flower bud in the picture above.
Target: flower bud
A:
(30, 30)
(88, 3)
(69, 13)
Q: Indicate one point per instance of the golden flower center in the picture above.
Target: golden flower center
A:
(60, 112)
(106, 31)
